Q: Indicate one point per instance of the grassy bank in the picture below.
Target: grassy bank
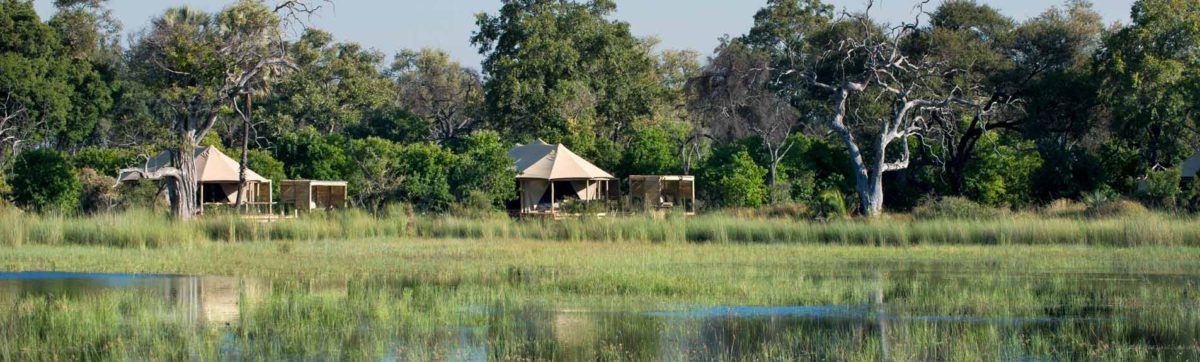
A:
(145, 229)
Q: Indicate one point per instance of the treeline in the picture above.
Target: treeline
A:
(811, 106)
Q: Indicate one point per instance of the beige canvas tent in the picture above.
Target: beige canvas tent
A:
(548, 174)
(217, 175)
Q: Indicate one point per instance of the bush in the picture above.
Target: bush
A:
(105, 161)
(732, 179)
(98, 192)
(1190, 199)
(1160, 188)
(830, 204)
(1117, 208)
(1063, 208)
(954, 207)
(483, 166)
(44, 181)
(141, 194)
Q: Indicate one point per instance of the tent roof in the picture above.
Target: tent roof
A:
(1191, 166)
(542, 161)
(212, 165)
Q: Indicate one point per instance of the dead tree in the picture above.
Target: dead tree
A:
(734, 97)
(864, 65)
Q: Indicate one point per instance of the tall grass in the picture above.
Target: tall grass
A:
(148, 229)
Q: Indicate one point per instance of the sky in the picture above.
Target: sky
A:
(391, 25)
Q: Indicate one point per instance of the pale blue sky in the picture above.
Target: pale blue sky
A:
(681, 24)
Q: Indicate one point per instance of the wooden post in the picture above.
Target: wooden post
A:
(693, 195)
(201, 197)
(552, 197)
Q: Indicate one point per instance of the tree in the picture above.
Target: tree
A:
(1150, 80)
(444, 93)
(483, 167)
(735, 100)
(34, 93)
(337, 86)
(198, 63)
(309, 155)
(730, 178)
(1032, 78)
(105, 161)
(879, 92)
(562, 71)
(43, 180)
(649, 152)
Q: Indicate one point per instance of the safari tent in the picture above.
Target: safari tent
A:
(1191, 167)
(548, 174)
(217, 175)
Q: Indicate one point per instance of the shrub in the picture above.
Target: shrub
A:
(141, 194)
(43, 180)
(1160, 188)
(732, 179)
(830, 204)
(105, 161)
(97, 192)
(483, 166)
(1063, 208)
(954, 207)
(1117, 208)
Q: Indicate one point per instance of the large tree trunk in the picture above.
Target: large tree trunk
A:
(183, 186)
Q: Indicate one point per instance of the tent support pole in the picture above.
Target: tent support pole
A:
(552, 209)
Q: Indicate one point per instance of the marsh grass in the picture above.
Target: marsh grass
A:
(149, 229)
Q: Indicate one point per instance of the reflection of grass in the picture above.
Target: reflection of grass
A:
(140, 229)
(371, 317)
(96, 327)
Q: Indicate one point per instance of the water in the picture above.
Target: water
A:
(902, 316)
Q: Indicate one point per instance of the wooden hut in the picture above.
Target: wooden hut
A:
(307, 195)
(662, 193)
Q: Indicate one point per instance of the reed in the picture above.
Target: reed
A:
(149, 229)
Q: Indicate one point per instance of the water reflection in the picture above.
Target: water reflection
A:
(1055, 319)
(196, 299)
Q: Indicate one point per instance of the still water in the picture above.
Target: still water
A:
(50, 315)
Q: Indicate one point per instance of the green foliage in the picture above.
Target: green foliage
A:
(649, 151)
(425, 169)
(730, 178)
(1001, 172)
(483, 167)
(388, 172)
(1160, 188)
(98, 193)
(556, 68)
(35, 85)
(954, 207)
(306, 154)
(829, 204)
(43, 180)
(106, 161)
(338, 86)
(1190, 199)
(1150, 76)
(266, 165)
(814, 165)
